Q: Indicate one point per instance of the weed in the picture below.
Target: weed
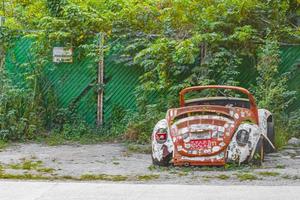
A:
(246, 177)
(54, 140)
(281, 136)
(223, 177)
(187, 169)
(45, 170)
(133, 148)
(103, 177)
(26, 165)
(24, 176)
(234, 166)
(1, 169)
(269, 173)
(116, 163)
(67, 177)
(31, 165)
(207, 177)
(280, 166)
(152, 167)
(293, 177)
(3, 144)
(183, 173)
(148, 177)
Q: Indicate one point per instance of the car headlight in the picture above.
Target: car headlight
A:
(242, 137)
(161, 135)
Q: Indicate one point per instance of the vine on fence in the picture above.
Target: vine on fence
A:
(177, 43)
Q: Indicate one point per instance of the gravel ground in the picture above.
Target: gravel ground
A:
(281, 168)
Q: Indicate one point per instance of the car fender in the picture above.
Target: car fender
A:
(263, 116)
(159, 151)
(241, 153)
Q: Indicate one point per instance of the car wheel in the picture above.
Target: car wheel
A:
(271, 136)
(165, 162)
(259, 153)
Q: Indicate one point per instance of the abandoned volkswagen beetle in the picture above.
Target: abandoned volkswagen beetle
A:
(213, 130)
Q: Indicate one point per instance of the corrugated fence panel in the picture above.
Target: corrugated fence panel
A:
(18, 61)
(71, 82)
(74, 84)
(120, 86)
(290, 61)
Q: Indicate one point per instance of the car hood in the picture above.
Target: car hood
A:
(199, 131)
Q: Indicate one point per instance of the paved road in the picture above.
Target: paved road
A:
(21, 190)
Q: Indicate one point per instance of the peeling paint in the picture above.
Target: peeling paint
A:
(238, 153)
(228, 134)
(157, 148)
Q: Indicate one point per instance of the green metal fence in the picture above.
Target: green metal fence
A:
(120, 84)
(75, 83)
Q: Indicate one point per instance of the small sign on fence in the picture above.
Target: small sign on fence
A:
(62, 55)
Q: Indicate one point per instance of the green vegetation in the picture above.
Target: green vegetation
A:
(147, 177)
(246, 177)
(183, 173)
(176, 44)
(280, 166)
(134, 148)
(220, 176)
(26, 165)
(292, 177)
(223, 177)
(84, 177)
(24, 176)
(206, 177)
(152, 167)
(1, 169)
(30, 165)
(104, 177)
(269, 173)
(47, 170)
(59, 139)
(116, 163)
(3, 144)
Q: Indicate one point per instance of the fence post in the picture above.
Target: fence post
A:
(100, 80)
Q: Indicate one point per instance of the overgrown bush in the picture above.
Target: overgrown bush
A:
(177, 43)
(294, 123)
(20, 118)
(273, 93)
(139, 128)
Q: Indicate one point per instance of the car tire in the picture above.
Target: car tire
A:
(165, 162)
(259, 153)
(271, 135)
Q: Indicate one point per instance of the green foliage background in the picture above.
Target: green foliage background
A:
(177, 43)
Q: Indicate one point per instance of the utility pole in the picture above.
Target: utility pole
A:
(100, 80)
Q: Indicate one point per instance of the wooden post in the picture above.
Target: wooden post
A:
(100, 80)
(203, 52)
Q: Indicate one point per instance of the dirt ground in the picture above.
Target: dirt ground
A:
(116, 162)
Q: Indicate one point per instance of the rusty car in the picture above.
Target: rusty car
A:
(213, 130)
